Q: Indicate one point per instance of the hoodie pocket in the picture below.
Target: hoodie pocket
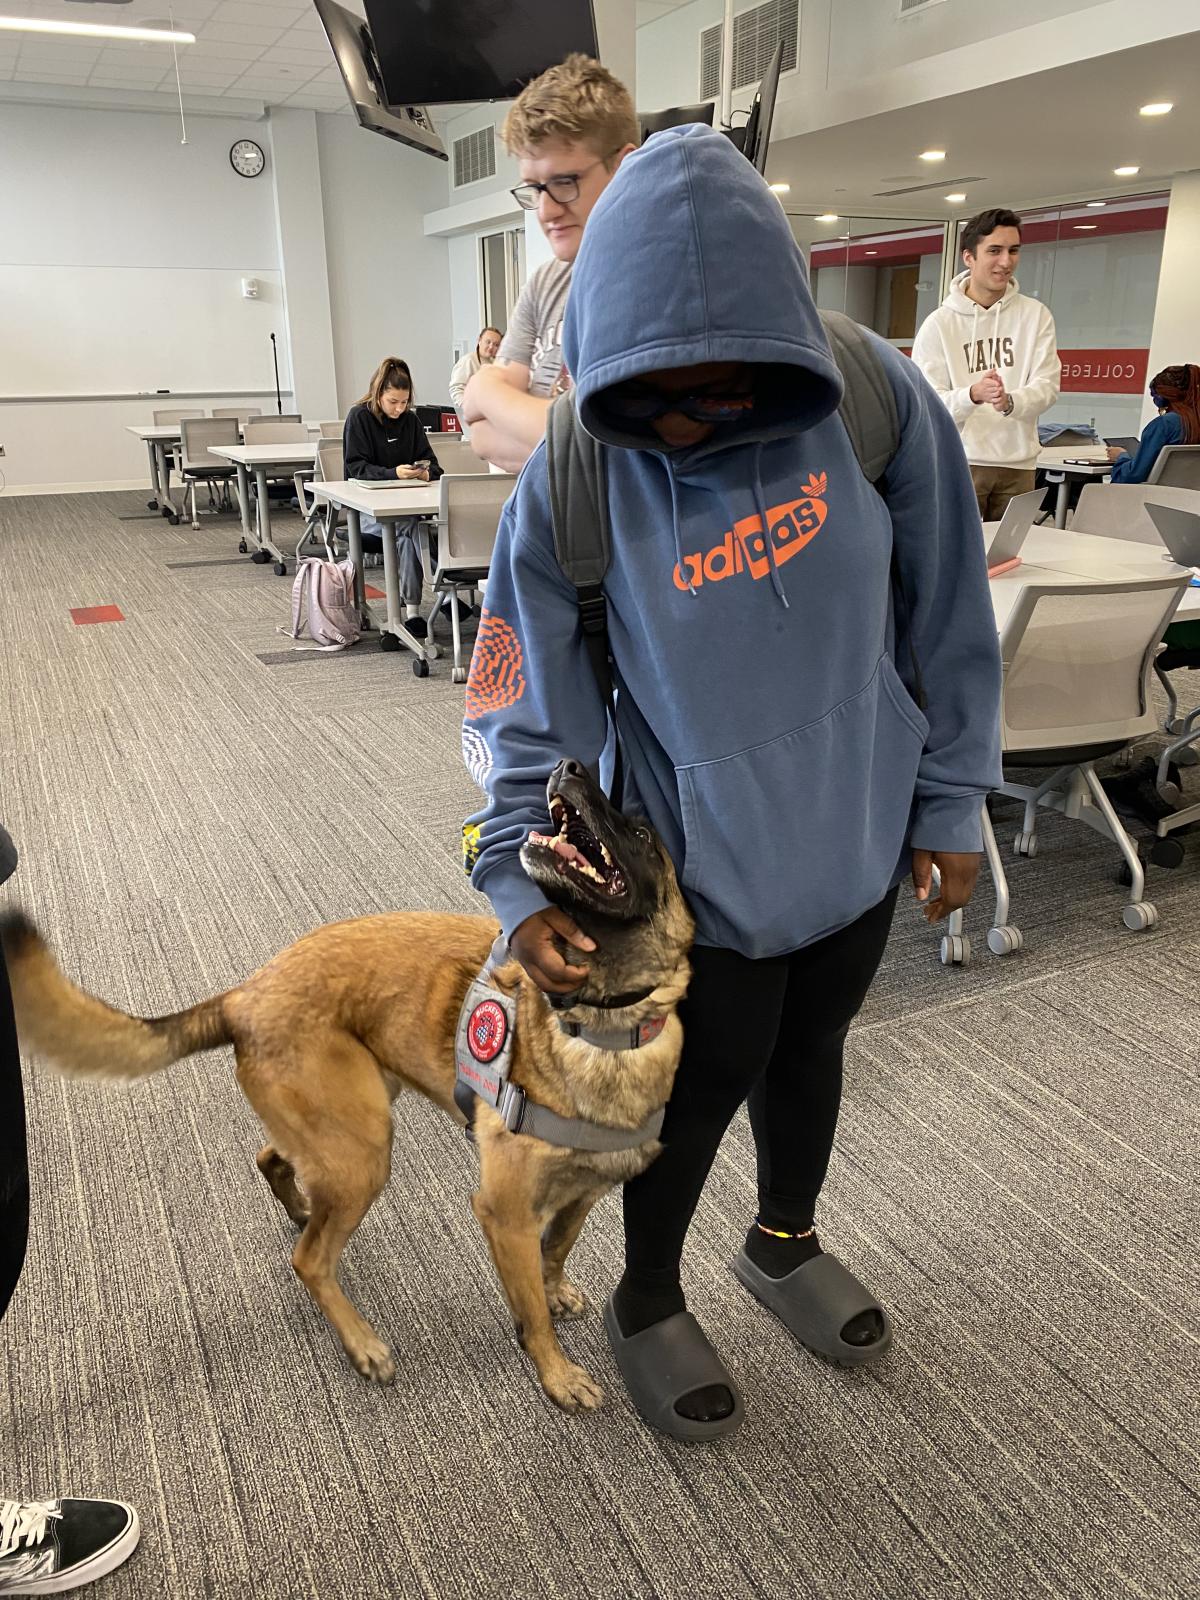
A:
(791, 839)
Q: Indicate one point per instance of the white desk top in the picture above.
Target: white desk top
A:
(267, 455)
(172, 431)
(415, 499)
(1058, 556)
(1098, 464)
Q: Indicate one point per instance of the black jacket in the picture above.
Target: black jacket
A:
(8, 856)
(374, 449)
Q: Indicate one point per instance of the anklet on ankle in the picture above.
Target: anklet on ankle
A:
(778, 1233)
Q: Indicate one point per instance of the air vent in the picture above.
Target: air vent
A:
(910, 8)
(475, 156)
(944, 184)
(755, 35)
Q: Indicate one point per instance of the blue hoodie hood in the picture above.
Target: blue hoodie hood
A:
(698, 283)
(768, 732)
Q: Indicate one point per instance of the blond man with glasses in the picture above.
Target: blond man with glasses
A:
(570, 130)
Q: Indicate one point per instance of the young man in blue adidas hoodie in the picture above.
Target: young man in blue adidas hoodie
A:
(769, 732)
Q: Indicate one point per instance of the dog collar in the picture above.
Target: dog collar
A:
(483, 1058)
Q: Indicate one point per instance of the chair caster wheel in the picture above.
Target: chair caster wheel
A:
(458, 675)
(173, 519)
(420, 668)
(389, 642)
(242, 547)
(259, 557)
(1139, 916)
(151, 505)
(956, 950)
(281, 569)
(1167, 852)
(1003, 940)
(1026, 844)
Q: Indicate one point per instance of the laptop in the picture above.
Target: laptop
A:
(1014, 526)
(389, 483)
(1179, 531)
(1130, 446)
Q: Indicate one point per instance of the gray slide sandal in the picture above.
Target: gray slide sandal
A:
(815, 1302)
(662, 1364)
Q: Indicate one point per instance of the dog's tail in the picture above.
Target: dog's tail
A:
(80, 1035)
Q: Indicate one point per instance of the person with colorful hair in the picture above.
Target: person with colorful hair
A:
(1176, 393)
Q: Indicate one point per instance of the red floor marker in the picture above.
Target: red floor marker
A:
(83, 614)
(373, 593)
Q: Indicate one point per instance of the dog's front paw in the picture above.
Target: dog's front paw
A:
(566, 1300)
(573, 1389)
(374, 1360)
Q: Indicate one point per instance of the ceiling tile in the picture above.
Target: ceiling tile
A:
(254, 14)
(290, 54)
(213, 50)
(22, 76)
(238, 33)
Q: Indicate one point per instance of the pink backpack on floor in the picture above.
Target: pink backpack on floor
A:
(323, 604)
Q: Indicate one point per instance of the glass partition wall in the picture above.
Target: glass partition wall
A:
(1095, 263)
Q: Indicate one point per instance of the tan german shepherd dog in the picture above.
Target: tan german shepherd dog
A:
(330, 1031)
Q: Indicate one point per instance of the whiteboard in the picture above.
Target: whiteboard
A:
(130, 330)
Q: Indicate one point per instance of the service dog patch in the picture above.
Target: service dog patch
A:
(487, 1029)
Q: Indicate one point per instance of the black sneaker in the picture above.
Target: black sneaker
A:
(416, 626)
(48, 1546)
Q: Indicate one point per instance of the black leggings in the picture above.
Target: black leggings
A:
(14, 1165)
(771, 1031)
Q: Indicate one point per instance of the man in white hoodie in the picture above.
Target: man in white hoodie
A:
(990, 352)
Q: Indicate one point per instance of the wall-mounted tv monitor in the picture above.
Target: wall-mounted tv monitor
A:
(444, 52)
(408, 123)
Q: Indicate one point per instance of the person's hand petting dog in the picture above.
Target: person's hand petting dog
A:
(533, 945)
(959, 871)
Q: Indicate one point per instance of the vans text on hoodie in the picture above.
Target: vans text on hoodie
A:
(962, 340)
(769, 734)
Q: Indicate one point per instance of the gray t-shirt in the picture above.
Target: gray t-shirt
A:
(534, 337)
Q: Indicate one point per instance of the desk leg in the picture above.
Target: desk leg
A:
(243, 493)
(155, 485)
(422, 649)
(1060, 505)
(354, 529)
(264, 519)
(165, 504)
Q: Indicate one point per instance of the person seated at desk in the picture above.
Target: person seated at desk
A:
(1176, 393)
(382, 438)
(487, 347)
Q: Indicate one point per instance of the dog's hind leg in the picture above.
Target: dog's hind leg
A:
(328, 1115)
(281, 1176)
(563, 1297)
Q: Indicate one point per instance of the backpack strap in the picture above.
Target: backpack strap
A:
(868, 408)
(579, 510)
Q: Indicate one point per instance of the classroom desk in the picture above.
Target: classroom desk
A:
(1054, 464)
(261, 459)
(414, 499)
(1051, 556)
(161, 440)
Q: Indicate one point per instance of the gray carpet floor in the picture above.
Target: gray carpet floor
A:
(1015, 1176)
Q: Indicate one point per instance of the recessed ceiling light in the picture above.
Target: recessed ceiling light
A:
(956, 199)
(1126, 172)
(1093, 203)
(1086, 227)
(95, 30)
(932, 155)
(1156, 108)
(827, 216)
(781, 188)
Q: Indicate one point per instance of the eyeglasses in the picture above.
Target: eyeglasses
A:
(648, 405)
(562, 189)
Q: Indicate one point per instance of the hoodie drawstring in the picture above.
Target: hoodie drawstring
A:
(760, 506)
(679, 562)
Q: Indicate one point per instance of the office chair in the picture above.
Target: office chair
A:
(200, 466)
(454, 454)
(1077, 662)
(275, 430)
(468, 516)
(1118, 510)
(328, 467)
(1177, 467)
(240, 412)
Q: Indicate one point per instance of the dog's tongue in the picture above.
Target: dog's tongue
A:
(560, 846)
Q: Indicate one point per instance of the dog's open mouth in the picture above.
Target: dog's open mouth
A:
(577, 852)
